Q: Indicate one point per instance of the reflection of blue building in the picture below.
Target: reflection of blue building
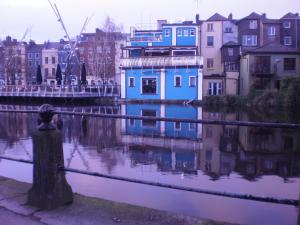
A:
(162, 64)
(178, 130)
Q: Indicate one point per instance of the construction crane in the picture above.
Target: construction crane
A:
(72, 44)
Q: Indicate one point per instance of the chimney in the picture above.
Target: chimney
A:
(197, 19)
(264, 15)
(230, 16)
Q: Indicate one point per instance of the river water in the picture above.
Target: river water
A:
(255, 161)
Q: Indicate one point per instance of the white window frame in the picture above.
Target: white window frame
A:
(286, 24)
(272, 31)
(152, 77)
(179, 32)
(179, 76)
(185, 32)
(287, 40)
(249, 40)
(190, 83)
(212, 60)
(253, 24)
(175, 128)
(210, 27)
(129, 78)
(192, 32)
(219, 88)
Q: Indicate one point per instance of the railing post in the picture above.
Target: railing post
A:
(50, 188)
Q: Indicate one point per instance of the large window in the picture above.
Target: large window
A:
(177, 81)
(53, 60)
(253, 24)
(210, 63)
(210, 41)
(214, 88)
(286, 24)
(149, 86)
(249, 40)
(272, 31)
(287, 40)
(210, 27)
(289, 63)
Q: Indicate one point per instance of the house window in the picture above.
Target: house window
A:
(149, 86)
(37, 55)
(210, 63)
(46, 72)
(53, 71)
(46, 60)
(53, 60)
(185, 32)
(210, 27)
(177, 125)
(230, 51)
(214, 88)
(131, 81)
(289, 63)
(253, 24)
(287, 40)
(210, 41)
(192, 32)
(272, 31)
(249, 40)
(192, 81)
(179, 32)
(167, 33)
(287, 24)
(228, 30)
(177, 81)
(149, 122)
(29, 55)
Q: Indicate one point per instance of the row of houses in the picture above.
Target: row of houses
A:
(175, 61)
(217, 56)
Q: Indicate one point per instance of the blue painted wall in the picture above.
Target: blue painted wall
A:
(186, 40)
(185, 92)
(135, 92)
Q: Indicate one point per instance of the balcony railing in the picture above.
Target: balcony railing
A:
(161, 61)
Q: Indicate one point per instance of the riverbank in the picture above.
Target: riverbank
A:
(84, 210)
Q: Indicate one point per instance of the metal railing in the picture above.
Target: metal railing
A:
(161, 61)
(104, 90)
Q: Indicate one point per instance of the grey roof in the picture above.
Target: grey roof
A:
(265, 20)
(216, 17)
(291, 16)
(274, 48)
(231, 43)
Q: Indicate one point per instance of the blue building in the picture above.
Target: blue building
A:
(162, 64)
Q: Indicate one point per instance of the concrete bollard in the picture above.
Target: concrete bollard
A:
(50, 188)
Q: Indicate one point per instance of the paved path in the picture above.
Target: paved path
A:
(83, 211)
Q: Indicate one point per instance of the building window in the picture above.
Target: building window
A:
(167, 33)
(177, 81)
(214, 88)
(249, 40)
(289, 63)
(29, 55)
(46, 60)
(287, 40)
(149, 122)
(192, 32)
(272, 31)
(149, 86)
(46, 72)
(131, 81)
(177, 126)
(287, 24)
(53, 71)
(210, 27)
(192, 81)
(210, 41)
(131, 122)
(179, 32)
(210, 63)
(53, 60)
(37, 55)
(230, 51)
(185, 32)
(253, 24)
(228, 30)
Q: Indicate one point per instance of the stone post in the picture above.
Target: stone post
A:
(50, 188)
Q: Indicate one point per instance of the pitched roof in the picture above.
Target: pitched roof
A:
(252, 16)
(291, 16)
(216, 17)
(273, 48)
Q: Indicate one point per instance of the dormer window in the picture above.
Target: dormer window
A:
(253, 24)
(287, 24)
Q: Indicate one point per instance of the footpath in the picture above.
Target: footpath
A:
(83, 211)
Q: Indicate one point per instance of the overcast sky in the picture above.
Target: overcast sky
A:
(17, 15)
